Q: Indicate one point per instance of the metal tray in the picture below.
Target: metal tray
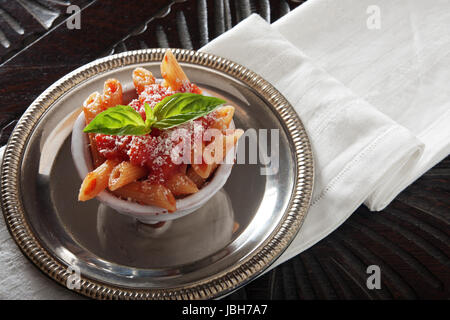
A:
(195, 257)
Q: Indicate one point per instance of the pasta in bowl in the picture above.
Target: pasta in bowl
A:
(160, 157)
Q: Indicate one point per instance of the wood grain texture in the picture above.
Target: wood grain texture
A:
(23, 21)
(409, 240)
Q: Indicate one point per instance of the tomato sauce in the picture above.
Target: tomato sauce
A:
(153, 150)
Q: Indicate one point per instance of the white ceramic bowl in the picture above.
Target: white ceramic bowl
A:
(144, 213)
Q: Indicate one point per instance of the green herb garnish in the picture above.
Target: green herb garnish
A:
(170, 112)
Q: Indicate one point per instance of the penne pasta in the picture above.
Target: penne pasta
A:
(146, 172)
(125, 173)
(194, 177)
(180, 185)
(112, 93)
(172, 73)
(97, 158)
(92, 106)
(149, 194)
(204, 170)
(215, 152)
(198, 165)
(142, 78)
(96, 181)
(223, 116)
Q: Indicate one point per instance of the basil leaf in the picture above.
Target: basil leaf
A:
(119, 120)
(150, 118)
(182, 107)
(177, 120)
(170, 112)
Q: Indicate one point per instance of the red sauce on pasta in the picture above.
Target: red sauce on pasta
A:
(154, 150)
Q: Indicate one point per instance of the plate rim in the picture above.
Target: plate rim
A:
(214, 286)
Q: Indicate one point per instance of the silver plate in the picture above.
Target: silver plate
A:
(195, 257)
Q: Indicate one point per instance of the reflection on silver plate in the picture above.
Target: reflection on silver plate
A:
(195, 257)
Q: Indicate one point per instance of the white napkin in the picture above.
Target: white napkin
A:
(402, 68)
(360, 153)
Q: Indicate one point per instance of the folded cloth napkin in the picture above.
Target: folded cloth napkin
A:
(393, 54)
(358, 150)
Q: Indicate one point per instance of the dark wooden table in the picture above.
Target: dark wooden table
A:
(409, 240)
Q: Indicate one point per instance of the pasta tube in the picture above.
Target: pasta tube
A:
(194, 177)
(223, 117)
(150, 194)
(212, 154)
(172, 73)
(180, 185)
(97, 158)
(142, 78)
(96, 181)
(92, 106)
(123, 174)
(112, 93)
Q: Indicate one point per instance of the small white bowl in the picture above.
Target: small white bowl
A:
(147, 214)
